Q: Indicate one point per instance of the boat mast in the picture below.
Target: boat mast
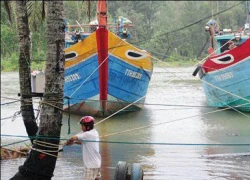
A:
(102, 47)
(248, 17)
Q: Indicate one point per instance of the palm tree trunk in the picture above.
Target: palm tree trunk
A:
(41, 165)
(24, 69)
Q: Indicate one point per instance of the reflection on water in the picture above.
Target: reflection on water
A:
(159, 161)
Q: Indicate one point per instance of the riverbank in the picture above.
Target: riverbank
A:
(175, 112)
(8, 66)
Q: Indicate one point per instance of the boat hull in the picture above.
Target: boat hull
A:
(129, 73)
(229, 87)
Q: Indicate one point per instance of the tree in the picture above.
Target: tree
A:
(40, 163)
(24, 69)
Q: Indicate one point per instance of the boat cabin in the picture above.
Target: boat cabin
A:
(223, 37)
(74, 33)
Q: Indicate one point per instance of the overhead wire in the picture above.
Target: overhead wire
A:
(189, 25)
(182, 28)
(50, 145)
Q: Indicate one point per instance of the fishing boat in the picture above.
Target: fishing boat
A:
(104, 74)
(225, 74)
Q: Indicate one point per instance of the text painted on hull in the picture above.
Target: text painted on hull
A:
(133, 74)
(72, 77)
(224, 76)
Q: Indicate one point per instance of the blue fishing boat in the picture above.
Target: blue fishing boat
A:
(104, 74)
(225, 74)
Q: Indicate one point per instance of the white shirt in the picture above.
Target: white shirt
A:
(90, 150)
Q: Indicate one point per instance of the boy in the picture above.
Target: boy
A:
(90, 150)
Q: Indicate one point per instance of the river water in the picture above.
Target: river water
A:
(175, 112)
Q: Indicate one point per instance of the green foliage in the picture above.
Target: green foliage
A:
(38, 65)
(10, 63)
(158, 27)
(9, 40)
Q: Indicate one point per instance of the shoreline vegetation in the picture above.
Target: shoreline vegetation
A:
(10, 64)
(176, 37)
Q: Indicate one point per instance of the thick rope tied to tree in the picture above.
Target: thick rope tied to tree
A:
(41, 151)
(48, 145)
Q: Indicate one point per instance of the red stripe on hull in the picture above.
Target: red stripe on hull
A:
(102, 47)
(239, 53)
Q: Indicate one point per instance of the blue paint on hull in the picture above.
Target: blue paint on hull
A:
(234, 79)
(122, 88)
(78, 90)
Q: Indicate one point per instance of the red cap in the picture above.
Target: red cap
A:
(86, 119)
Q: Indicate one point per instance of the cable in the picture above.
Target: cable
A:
(155, 143)
(10, 102)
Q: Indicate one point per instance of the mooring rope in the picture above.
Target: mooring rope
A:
(212, 54)
(41, 101)
(225, 91)
(120, 110)
(213, 85)
(166, 122)
(95, 70)
(10, 102)
(149, 143)
(150, 104)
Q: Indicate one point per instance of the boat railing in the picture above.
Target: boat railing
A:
(236, 33)
(81, 31)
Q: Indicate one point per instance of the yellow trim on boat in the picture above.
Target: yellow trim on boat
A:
(117, 47)
(84, 49)
(124, 47)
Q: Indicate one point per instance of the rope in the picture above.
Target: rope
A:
(45, 144)
(226, 91)
(42, 102)
(213, 86)
(9, 102)
(41, 151)
(160, 143)
(187, 26)
(156, 124)
(213, 52)
(119, 110)
(95, 70)
(15, 142)
(5, 118)
(150, 104)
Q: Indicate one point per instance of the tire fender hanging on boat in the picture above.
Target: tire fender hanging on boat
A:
(121, 172)
(136, 172)
(196, 70)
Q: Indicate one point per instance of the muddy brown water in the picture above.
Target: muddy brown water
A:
(176, 102)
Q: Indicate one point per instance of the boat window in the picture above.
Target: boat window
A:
(133, 54)
(224, 46)
(70, 55)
